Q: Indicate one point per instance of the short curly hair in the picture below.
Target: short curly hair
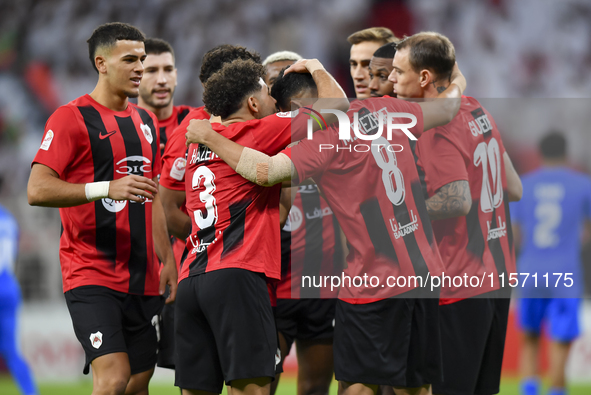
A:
(215, 58)
(226, 90)
(287, 86)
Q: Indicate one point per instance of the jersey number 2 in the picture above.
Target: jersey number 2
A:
(549, 215)
(204, 178)
(489, 157)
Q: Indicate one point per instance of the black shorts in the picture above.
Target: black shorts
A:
(106, 321)
(166, 343)
(473, 340)
(393, 342)
(224, 329)
(305, 319)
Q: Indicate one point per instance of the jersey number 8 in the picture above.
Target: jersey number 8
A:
(391, 175)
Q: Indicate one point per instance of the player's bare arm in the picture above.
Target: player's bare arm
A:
(451, 200)
(331, 93)
(168, 275)
(514, 186)
(440, 112)
(178, 223)
(46, 189)
(253, 165)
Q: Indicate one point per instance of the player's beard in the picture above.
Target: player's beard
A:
(147, 98)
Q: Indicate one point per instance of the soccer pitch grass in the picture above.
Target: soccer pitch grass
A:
(509, 386)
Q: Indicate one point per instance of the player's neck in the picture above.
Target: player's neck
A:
(433, 90)
(242, 115)
(559, 162)
(109, 99)
(161, 113)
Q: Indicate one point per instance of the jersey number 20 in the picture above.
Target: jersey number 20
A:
(489, 157)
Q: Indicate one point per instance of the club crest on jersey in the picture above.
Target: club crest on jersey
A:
(47, 140)
(147, 132)
(178, 169)
(96, 339)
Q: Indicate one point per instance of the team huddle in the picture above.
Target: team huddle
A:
(220, 211)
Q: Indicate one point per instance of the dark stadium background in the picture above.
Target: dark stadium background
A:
(531, 60)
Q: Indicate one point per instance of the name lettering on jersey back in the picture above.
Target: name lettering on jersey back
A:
(400, 230)
(496, 233)
(202, 154)
(481, 124)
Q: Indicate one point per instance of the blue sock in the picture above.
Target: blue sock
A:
(530, 386)
(557, 391)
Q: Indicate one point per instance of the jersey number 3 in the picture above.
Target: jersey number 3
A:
(489, 157)
(204, 178)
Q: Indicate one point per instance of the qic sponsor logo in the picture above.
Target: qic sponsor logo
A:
(135, 164)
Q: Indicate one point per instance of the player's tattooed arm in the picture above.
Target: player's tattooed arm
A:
(451, 200)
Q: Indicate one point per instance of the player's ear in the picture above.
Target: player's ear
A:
(253, 104)
(425, 78)
(101, 64)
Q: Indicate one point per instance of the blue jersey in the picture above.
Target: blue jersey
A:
(8, 241)
(555, 205)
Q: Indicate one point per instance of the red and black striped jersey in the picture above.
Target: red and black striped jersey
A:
(235, 223)
(374, 190)
(174, 158)
(481, 243)
(168, 125)
(174, 161)
(310, 246)
(107, 243)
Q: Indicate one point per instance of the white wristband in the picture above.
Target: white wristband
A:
(96, 190)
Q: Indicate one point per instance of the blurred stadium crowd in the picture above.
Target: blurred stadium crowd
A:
(507, 49)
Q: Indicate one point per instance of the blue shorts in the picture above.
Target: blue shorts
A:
(561, 316)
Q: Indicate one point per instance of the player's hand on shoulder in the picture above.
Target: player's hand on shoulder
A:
(304, 66)
(197, 131)
(132, 187)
